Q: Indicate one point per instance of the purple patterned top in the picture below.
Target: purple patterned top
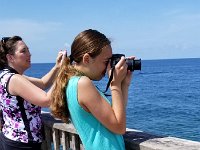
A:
(18, 126)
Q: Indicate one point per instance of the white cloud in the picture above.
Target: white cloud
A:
(29, 29)
(41, 37)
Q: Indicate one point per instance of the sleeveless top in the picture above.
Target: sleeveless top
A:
(93, 134)
(21, 120)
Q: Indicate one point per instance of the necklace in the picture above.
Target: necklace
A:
(79, 72)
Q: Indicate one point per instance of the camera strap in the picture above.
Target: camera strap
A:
(110, 79)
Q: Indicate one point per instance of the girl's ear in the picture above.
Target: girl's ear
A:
(86, 58)
(9, 58)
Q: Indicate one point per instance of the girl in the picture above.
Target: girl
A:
(99, 123)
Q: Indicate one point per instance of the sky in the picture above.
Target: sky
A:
(147, 29)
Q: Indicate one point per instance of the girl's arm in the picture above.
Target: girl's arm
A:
(112, 116)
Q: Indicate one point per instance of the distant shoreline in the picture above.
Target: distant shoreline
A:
(141, 59)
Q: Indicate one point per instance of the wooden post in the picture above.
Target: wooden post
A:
(56, 139)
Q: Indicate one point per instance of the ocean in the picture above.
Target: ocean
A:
(164, 97)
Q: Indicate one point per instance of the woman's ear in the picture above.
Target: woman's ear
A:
(86, 58)
(9, 58)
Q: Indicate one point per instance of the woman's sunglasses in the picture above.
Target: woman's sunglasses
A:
(5, 39)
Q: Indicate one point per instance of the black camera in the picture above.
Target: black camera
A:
(133, 64)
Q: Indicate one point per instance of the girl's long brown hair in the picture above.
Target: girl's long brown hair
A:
(89, 41)
(58, 104)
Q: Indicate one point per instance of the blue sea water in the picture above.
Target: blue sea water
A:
(164, 97)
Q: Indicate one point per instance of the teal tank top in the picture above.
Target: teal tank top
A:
(93, 134)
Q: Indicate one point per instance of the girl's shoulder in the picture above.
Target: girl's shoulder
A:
(85, 80)
(86, 89)
(82, 80)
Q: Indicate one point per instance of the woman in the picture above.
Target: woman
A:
(21, 97)
(99, 124)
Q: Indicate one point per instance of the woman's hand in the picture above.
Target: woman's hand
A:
(60, 57)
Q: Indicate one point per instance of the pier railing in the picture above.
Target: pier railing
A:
(62, 136)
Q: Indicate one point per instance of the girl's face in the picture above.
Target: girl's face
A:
(99, 64)
(21, 59)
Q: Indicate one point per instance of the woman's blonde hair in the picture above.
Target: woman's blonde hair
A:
(89, 41)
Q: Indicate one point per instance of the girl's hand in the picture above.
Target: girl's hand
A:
(127, 80)
(119, 72)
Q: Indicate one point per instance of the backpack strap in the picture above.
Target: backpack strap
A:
(24, 117)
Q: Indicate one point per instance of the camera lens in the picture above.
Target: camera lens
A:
(133, 64)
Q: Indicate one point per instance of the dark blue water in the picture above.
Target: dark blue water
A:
(164, 98)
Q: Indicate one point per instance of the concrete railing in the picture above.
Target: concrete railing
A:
(59, 135)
